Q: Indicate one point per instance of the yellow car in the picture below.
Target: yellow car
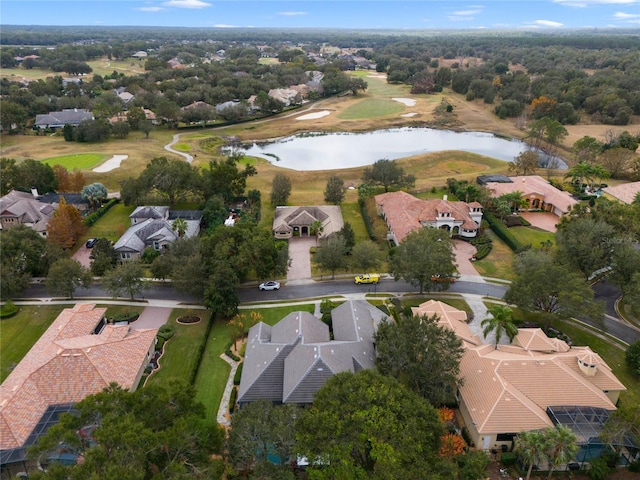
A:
(368, 278)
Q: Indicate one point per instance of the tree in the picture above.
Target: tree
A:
(30, 174)
(586, 149)
(623, 422)
(365, 256)
(68, 182)
(423, 253)
(103, 257)
(422, 354)
(366, 425)
(526, 163)
(66, 226)
(473, 465)
(500, 321)
(179, 225)
(632, 357)
(225, 179)
(154, 432)
(532, 447)
(126, 278)
(259, 430)
(65, 275)
(347, 234)
(280, 189)
(170, 179)
(585, 244)
(95, 194)
(616, 161)
(162, 267)
(388, 174)
(120, 129)
(562, 444)
(331, 255)
(316, 228)
(544, 285)
(92, 131)
(580, 172)
(334, 193)
(220, 294)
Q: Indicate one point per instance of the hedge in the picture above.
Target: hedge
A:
(201, 349)
(232, 399)
(367, 219)
(8, 310)
(483, 245)
(503, 232)
(508, 458)
(238, 375)
(92, 218)
(126, 317)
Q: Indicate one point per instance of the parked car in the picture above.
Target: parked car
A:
(272, 285)
(91, 242)
(443, 278)
(368, 278)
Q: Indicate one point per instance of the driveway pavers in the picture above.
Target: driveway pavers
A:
(545, 220)
(151, 317)
(300, 268)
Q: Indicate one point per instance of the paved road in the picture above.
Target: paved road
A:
(159, 293)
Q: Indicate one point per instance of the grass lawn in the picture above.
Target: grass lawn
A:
(113, 224)
(273, 315)
(499, 263)
(531, 236)
(80, 161)
(114, 310)
(182, 147)
(371, 107)
(20, 332)
(179, 357)
(351, 213)
(613, 355)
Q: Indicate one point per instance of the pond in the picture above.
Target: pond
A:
(332, 151)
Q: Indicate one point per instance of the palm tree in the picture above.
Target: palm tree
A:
(500, 321)
(562, 444)
(531, 446)
(598, 172)
(180, 226)
(580, 172)
(316, 228)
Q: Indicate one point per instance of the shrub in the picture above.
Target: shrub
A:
(599, 470)
(466, 436)
(165, 332)
(126, 317)
(231, 355)
(634, 466)
(632, 357)
(232, 399)
(508, 458)
(160, 343)
(92, 218)
(503, 232)
(8, 309)
(367, 219)
(483, 245)
(238, 375)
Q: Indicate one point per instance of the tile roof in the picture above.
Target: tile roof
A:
(534, 184)
(27, 209)
(290, 361)
(625, 192)
(405, 213)
(286, 218)
(66, 364)
(72, 116)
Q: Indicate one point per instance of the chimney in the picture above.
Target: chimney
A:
(34, 192)
(444, 197)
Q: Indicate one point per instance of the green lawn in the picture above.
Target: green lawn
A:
(113, 224)
(179, 358)
(20, 332)
(499, 263)
(531, 236)
(371, 107)
(182, 147)
(351, 213)
(273, 315)
(80, 161)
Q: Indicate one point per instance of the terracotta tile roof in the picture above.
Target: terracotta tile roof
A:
(68, 363)
(625, 192)
(534, 184)
(405, 213)
(449, 317)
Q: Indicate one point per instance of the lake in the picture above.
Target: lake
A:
(332, 151)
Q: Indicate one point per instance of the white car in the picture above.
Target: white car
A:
(272, 285)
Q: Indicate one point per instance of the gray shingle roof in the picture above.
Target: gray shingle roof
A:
(290, 361)
(70, 116)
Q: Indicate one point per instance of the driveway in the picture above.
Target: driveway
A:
(151, 317)
(300, 256)
(544, 220)
(463, 252)
(82, 256)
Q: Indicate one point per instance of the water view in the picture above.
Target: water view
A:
(330, 151)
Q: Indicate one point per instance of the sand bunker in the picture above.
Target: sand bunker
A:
(314, 115)
(111, 164)
(408, 115)
(409, 102)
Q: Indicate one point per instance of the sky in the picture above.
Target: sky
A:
(542, 15)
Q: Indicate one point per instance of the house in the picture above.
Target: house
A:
(122, 117)
(72, 116)
(538, 193)
(523, 385)
(152, 226)
(287, 96)
(625, 192)
(290, 361)
(74, 199)
(21, 208)
(78, 355)
(140, 55)
(405, 213)
(294, 221)
(126, 97)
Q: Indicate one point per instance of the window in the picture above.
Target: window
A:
(505, 437)
(125, 255)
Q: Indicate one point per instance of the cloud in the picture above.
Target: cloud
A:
(150, 9)
(547, 23)
(222, 25)
(292, 14)
(465, 13)
(626, 16)
(587, 3)
(193, 4)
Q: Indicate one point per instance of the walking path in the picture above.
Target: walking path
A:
(176, 139)
(223, 409)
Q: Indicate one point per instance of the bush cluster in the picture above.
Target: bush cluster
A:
(508, 458)
(632, 357)
(232, 400)
(8, 310)
(367, 219)
(125, 317)
(483, 246)
(238, 375)
(200, 353)
(92, 218)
